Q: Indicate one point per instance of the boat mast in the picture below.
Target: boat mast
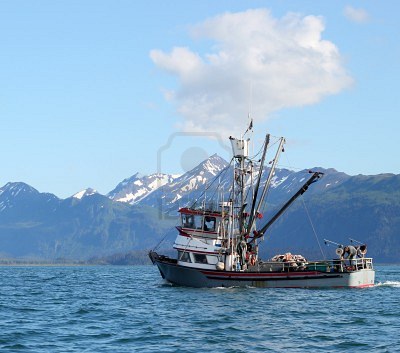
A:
(240, 148)
(260, 173)
(270, 175)
(242, 173)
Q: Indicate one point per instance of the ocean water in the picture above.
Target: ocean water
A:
(131, 309)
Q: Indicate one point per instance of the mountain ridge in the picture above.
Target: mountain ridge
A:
(90, 225)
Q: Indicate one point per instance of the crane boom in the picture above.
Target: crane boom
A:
(315, 176)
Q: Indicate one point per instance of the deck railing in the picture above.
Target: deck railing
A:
(335, 265)
(341, 265)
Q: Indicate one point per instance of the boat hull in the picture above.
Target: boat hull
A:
(195, 277)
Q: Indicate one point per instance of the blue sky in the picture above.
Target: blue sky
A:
(92, 92)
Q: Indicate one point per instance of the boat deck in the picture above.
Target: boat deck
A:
(335, 265)
(325, 266)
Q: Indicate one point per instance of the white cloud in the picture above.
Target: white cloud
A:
(284, 61)
(356, 15)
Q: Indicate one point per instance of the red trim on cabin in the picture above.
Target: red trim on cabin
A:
(182, 232)
(186, 210)
(197, 251)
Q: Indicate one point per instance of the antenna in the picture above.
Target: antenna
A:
(250, 100)
(249, 112)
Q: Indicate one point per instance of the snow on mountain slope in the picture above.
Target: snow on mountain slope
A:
(184, 189)
(13, 189)
(151, 189)
(11, 192)
(137, 187)
(169, 191)
(86, 192)
(18, 197)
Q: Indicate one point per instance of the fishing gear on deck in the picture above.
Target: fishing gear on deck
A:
(341, 250)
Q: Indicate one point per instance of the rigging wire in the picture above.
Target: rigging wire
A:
(249, 189)
(258, 153)
(313, 228)
(309, 218)
(224, 170)
(217, 189)
(163, 238)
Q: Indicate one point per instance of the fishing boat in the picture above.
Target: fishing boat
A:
(217, 242)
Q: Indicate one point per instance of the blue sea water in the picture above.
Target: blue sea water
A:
(130, 309)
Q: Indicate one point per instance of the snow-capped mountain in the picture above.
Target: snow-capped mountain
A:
(9, 194)
(19, 201)
(286, 182)
(13, 194)
(167, 189)
(84, 193)
(134, 189)
(212, 177)
(13, 189)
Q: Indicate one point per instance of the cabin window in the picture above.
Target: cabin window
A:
(192, 221)
(184, 256)
(187, 221)
(200, 258)
(209, 223)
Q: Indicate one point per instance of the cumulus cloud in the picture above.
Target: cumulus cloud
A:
(356, 15)
(285, 62)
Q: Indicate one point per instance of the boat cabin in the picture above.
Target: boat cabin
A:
(201, 223)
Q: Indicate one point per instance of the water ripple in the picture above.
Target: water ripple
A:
(129, 309)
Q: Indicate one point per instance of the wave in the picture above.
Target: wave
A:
(232, 287)
(394, 284)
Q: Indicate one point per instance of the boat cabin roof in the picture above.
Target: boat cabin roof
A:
(192, 211)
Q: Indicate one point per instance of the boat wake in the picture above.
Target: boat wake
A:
(394, 284)
(233, 287)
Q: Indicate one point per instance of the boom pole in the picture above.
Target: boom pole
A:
(260, 173)
(302, 190)
(271, 174)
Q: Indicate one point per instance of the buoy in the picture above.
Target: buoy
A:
(339, 251)
(220, 266)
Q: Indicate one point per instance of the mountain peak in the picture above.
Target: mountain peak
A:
(15, 188)
(84, 193)
(213, 165)
(135, 188)
(17, 198)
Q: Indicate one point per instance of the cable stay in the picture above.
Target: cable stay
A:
(315, 176)
(313, 228)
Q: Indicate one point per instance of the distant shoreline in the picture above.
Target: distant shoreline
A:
(129, 258)
(43, 265)
(83, 264)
